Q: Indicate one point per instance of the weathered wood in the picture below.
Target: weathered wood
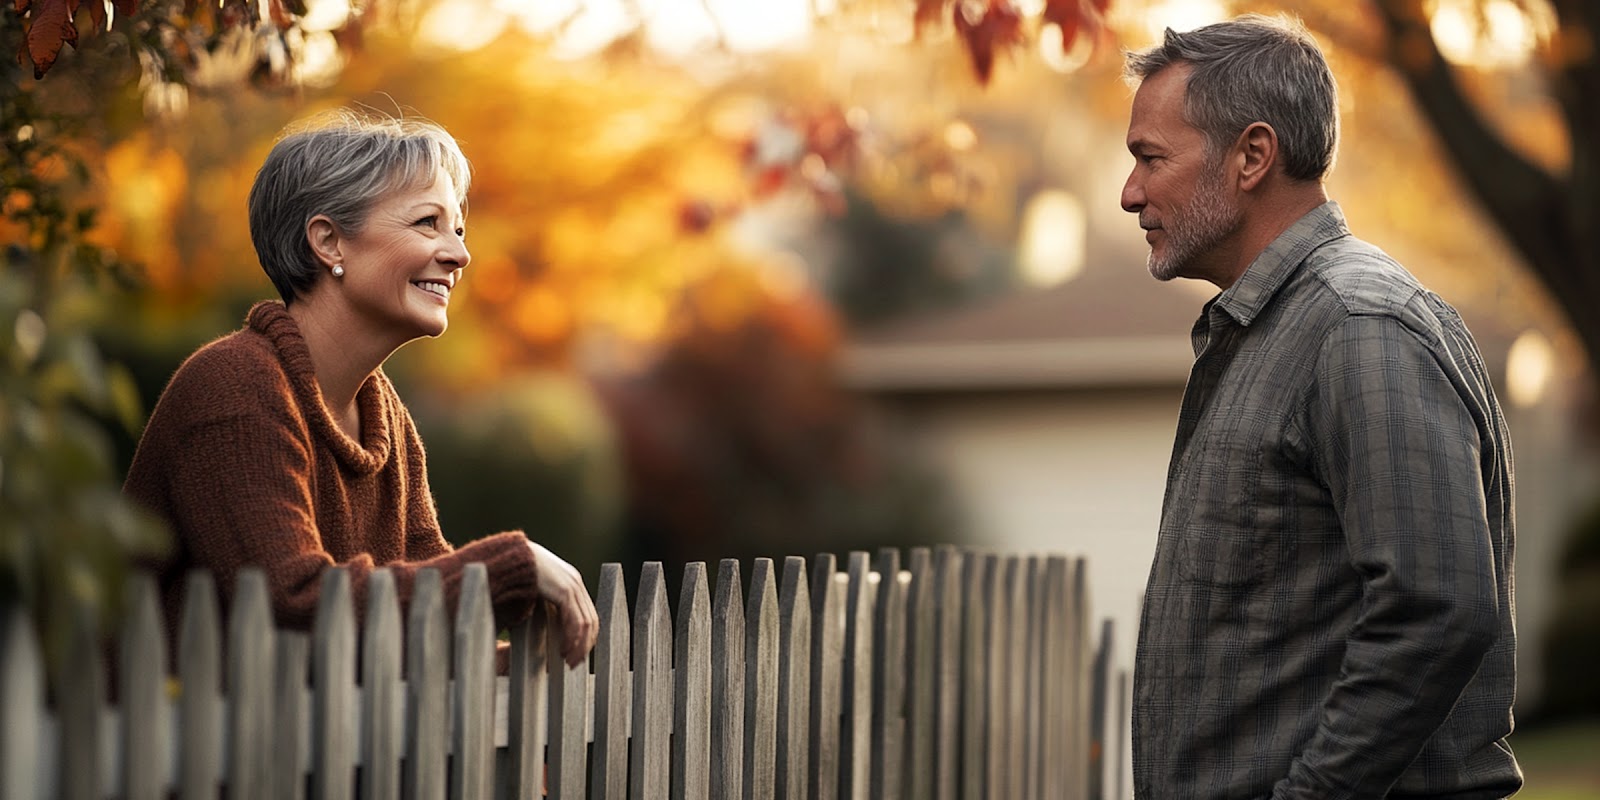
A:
(200, 705)
(948, 582)
(472, 750)
(291, 718)
(727, 685)
(1033, 680)
(382, 712)
(761, 683)
(1016, 622)
(569, 697)
(428, 733)
(333, 701)
(855, 773)
(80, 706)
(251, 658)
(650, 759)
(975, 684)
(140, 669)
(920, 666)
(827, 669)
(611, 693)
(889, 678)
(1121, 763)
(1078, 655)
(996, 600)
(1053, 735)
(526, 712)
(691, 730)
(1098, 690)
(794, 681)
(21, 707)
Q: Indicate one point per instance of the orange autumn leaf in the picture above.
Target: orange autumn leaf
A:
(995, 29)
(49, 27)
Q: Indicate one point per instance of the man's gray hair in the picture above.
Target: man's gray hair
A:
(339, 164)
(1254, 69)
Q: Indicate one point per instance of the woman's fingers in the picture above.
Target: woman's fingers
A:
(562, 584)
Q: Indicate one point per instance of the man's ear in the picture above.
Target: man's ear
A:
(1259, 148)
(325, 240)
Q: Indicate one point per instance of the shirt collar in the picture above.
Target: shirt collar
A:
(1250, 295)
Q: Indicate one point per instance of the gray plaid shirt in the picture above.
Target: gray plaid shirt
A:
(1329, 613)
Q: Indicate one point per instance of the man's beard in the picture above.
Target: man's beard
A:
(1197, 228)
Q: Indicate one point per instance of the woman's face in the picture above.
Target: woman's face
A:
(400, 269)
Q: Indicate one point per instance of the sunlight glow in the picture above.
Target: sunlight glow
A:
(1529, 366)
(676, 27)
(1151, 19)
(1497, 34)
(1051, 244)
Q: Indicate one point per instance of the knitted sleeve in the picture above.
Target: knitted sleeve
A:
(239, 493)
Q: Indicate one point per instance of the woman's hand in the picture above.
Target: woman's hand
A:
(561, 584)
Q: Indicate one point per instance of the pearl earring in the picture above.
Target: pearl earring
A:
(338, 270)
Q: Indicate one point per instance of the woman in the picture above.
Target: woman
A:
(283, 445)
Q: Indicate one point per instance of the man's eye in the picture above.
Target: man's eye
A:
(461, 232)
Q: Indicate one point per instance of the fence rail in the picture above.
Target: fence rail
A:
(955, 676)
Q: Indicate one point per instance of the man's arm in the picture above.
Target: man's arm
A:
(1400, 451)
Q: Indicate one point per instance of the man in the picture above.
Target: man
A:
(1329, 613)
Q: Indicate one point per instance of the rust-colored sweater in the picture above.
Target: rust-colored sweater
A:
(244, 461)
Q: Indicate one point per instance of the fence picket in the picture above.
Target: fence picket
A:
(1032, 672)
(472, 750)
(291, 719)
(200, 676)
(652, 688)
(1014, 588)
(569, 698)
(610, 765)
(761, 683)
(383, 719)
(1078, 663)
(1099, 689)
(251, 640)
(144, 734)
(526, 710)
(888, 679)
(21, 706)
(1052, 737)
(691, 732)
(727, 684)
(975, 671)
(855, 773)
(949, 575)
(794, 681)
(827, 664)
(920, 665)
(333, 667)
(427, 692)
(81, 706)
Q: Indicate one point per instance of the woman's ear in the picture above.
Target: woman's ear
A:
(1260, 149)
(325, 240)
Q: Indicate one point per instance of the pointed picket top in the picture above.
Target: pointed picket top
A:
(827, 667)
(141, 670)
(200, 676)
(383, 720)
(21, 705)
(427, 691)
(761, 682)
(975, 676)
(889, 678)
(251, 656)
(650, 756)
(609, 774)
(920, 668)
(856, 743)
(691, 737)
(949, 574)
(794, 682)
(727, 684)
(472, 762)
(333, 696)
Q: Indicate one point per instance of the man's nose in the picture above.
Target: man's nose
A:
(1133, 194)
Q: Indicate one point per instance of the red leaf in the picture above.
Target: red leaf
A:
(1065, 14)
(97, 15)
(125, 8)
(927, 14)
(280, 16)
(50, 26)
(22, 5)
(992, 30)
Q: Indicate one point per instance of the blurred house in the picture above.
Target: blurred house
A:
(1051, 414)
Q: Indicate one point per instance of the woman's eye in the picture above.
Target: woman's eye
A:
(428, 221)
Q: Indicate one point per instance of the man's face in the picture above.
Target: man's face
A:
(1180, 193)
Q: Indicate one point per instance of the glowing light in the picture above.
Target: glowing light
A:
(671, 26)
(461, 24)
(1153, 18)
(1529, 367)
(1499, 34)
(1051, 245)
(1064, 59)
(960, 136)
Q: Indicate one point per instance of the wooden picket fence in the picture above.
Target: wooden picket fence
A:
(961, 675)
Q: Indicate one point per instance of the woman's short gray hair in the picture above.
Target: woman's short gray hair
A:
(339, 164)
(1254, 69)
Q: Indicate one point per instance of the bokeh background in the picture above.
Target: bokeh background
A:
(792, 276)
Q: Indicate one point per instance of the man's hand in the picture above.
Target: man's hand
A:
(560, 583)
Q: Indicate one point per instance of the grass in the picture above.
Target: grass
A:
(1559, 762)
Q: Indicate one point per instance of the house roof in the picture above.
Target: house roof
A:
(1112, 325)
